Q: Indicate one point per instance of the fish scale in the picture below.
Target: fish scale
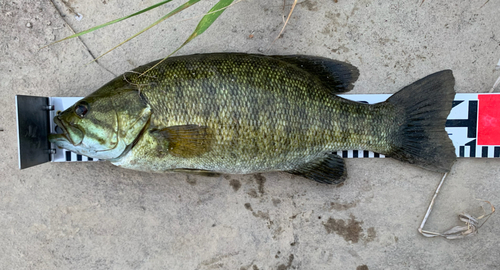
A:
(294, 118)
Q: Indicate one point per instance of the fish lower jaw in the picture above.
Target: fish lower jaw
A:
(54, 138)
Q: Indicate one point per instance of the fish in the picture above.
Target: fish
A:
(237, 113)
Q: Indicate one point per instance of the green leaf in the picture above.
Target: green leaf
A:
(170, 14)
(203, 25)
(208, 19)
(112, 22)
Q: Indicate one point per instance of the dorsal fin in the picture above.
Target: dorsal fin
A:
(337, 76)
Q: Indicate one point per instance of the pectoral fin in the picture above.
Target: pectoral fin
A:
(329, 169)
(185, 141)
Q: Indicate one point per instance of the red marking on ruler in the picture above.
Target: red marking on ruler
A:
(488, 120)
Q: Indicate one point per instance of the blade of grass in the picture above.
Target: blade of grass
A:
(202, 26)
(170, 14)
(79, 38)
(208, 19)
(287, 19)
(202, 15)
(109, 23)
(285, 23)
(485, 4)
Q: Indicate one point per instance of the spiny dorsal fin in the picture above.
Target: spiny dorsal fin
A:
(337, 76)
(185, 141)
(329, 169)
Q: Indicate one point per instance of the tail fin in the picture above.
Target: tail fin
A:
(424, 107)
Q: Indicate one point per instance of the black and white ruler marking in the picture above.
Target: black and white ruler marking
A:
(473, 125)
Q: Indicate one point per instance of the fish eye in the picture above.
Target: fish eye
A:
(81, 109)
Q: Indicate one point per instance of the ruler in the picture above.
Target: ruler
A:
(473, 126)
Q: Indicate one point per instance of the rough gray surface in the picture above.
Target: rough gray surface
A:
(96, 216)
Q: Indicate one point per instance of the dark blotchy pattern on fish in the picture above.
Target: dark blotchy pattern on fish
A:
(264, 114)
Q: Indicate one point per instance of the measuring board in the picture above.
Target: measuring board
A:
(473, 125)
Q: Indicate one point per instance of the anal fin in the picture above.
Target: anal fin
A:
(198, 172)
(329, 169)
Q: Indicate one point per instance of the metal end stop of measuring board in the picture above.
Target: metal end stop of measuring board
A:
(33, 128)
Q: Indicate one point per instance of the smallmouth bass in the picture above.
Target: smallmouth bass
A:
(245, 113)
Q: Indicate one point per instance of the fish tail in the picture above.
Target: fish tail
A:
(422, 108)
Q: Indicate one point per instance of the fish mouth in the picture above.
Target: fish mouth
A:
(65, 136)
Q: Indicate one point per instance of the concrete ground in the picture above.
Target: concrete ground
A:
(97, 216)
